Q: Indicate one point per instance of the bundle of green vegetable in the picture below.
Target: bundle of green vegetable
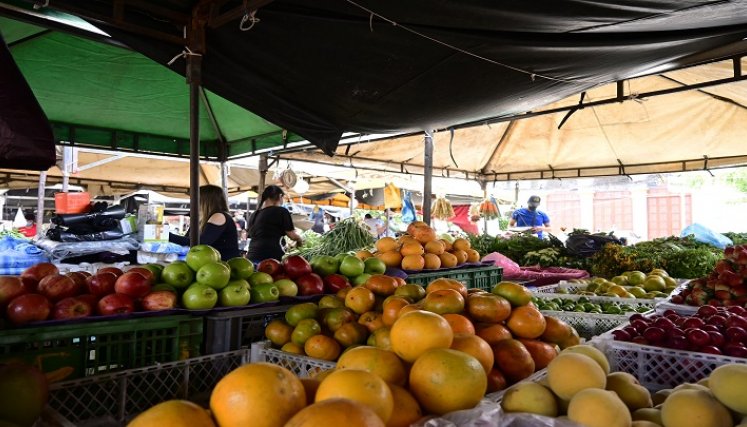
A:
(348, 235)
(12, 233)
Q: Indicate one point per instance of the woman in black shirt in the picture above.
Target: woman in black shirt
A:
(268, 224)
(217, 227)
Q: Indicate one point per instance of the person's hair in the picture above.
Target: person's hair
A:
(367, 216)
(29, 216)
(212, 200)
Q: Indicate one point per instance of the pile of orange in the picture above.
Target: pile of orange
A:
(420, 249)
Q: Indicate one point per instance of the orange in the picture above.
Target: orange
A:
(447, 245)
(488, 308)
(542, 353)
(444, 301)
(363, 255)
(406, 238)
(412, 248)
(413, 225)
(459, 324)
(406, 408)
(360, 300)
(408, 308)
(257, 394)
(174, 413)
(526, 322)
(435, 247)
(432, 261)
(391, 259)
(372, 320)
(381, 339)
(278, 332)
(310, 385)
(473, 255)
(416, 332)
(513, 359)
(321, 375)
(360, 386)
(571, 340)
(337, 317)
(383, 363)
(445, 380)
(391, 308)
(461, 244)
(493, 333)
(336, 412)
(421, 232)
(515, 293)
(556, 330)
(461, 256)
(386, 244)
(475, 347)
(413, 262)
(442, 283)
(448, 260)
(496, 381)
(342, 293)
(381, 284)
(292, 348)
(350, 334)
(400, 281)
(322, 347)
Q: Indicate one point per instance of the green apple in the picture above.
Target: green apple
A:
(235, 294)
(214, 274)
(259, 278)
(156, 269)
(360, 279)
(199, 297)
(200, 255)
(340, 257)
(287, 287)
(324, 265)
(298, 312)
(374, 265)
(351, 266)
(241, 268)
(264, 292)
(164, 287)
(178, 274)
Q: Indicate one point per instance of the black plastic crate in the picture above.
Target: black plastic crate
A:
(233, 330)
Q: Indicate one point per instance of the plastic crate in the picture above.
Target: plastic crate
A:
(233, 330)
(478, 277)
(113, 399)
(589, 325)
(658, 368)
(72, 203)
(77, 350)
(636, 303)
(303, 366)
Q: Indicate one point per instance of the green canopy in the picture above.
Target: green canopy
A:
(101, 95)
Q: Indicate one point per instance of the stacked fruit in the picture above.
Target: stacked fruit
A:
(420, 249)
(714, 330)
(631, 284)
(502, 329)
(580, 387)
(345, 270)
(726, 285)
(585, 305)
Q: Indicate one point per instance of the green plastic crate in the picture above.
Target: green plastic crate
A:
(478, 277)
(84, 349)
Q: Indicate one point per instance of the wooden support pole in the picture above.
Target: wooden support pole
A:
(40, 202)
(196, 43)
(262, 177)
(428, 173)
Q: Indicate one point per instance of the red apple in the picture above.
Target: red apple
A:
(270, 266)
(92, 300)
(735, 350)
(698, 337)
(280, 276)
(334, 282)
(736, 334)
(145, 272)
(101, 283)
(85, 273)
(717, 339)
(33, 275)
(72, 308)
(28, 308)
(116, 304)
(158, 300)
(78, 278)
(57, 287)
(706, 311)
(296, 266)
(738, 321)
(117, 272)
(693, 322)
(10, 287)
(710, 350)
(310, 284)
(133, 284)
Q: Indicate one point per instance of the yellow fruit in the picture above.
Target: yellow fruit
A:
(461, 256)
(729, 384)
(694, 408)
(461, 245)
(634, 395)
(257, 394)
(448, 260)
(432, 261)
(435, 247)
(473, 255)
(391, 259)
(530, 397)
(360, 386)
(383, 363)
(648, 414)
(569, 373)
(386, 244)
(598, 408)
(418, 331)
(174, 413)
(364, 255)
(406, 409)
(594, 353)
(644, 423)
(412, 249)
(336, 413)
(413, 262)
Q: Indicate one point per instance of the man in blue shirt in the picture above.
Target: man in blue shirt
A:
(531, 217)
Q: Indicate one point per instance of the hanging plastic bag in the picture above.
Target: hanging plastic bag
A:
(392, 197)
(408, 209)
(704, 234)
(20, 219)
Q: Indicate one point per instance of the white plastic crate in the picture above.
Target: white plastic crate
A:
(589, 325)
(112, 399)
(303, 366)
(681, 309)
(634, 302)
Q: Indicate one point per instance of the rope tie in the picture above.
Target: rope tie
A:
(248, 17)
(183, 54)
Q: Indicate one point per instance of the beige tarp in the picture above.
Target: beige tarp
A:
(667, 133)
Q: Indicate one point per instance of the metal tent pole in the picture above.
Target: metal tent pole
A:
(262, 177)
(428, 173)
(40, 203)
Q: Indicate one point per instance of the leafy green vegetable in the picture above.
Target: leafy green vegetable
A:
(348, 235)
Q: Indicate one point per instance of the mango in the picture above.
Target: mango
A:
(570, 373)
(729, 384)
(599, 408)
(530, 397)
(690, 407)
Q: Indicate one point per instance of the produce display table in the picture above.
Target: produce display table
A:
(484, 277)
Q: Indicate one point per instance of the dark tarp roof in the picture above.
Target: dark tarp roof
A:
(325, 67)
